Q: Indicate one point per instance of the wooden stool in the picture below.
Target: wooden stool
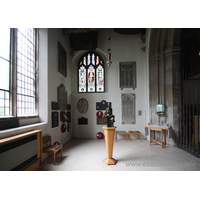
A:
(135, 132)
(120, 132)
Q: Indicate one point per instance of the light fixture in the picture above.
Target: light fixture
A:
(109, 62)
(160, 109)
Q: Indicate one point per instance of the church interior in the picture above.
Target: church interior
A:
(149, 68)
(143, 68)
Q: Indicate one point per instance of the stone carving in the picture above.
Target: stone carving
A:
(109, 117)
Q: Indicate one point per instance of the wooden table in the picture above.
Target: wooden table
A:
(160, 129)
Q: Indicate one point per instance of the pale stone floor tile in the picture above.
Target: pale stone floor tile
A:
(88, 155)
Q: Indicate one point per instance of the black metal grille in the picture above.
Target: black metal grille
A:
(189, 137)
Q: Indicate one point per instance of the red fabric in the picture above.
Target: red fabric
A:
(134, 131)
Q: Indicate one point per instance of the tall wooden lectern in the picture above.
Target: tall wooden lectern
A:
(109, 133)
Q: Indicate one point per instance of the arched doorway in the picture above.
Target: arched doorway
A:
(174, 74)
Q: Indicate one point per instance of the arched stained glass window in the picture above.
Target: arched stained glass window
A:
(91, 73)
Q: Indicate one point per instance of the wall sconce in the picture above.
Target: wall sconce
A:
(109, 62)
(160, 110)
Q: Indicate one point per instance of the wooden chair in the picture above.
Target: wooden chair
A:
(120, 132)
(135, 132)
(51, 148)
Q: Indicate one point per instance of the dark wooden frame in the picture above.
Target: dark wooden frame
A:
(62, 60)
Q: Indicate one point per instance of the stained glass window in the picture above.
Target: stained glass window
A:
(91, 73)
(82, 79)
(91, 79)
(100, 78)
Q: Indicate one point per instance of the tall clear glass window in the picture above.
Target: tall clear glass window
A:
(91, 73)
(26, 45)
(5, 71)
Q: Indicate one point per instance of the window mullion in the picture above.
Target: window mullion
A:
(13, 72)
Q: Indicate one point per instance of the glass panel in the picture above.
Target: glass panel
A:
(4, 80)
(91, 79)
(4, 103)
(6, 111)
(82, 79)
(97, 60)
(1, 94)
(84, 60)
(5, 43)
(93, 59)
(100, 79)
(1, 110)
(25, 70)
(88, 59)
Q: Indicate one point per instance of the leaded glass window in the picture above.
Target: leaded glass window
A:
(91, 73)
(18, 56)
(26, 46)
(5, 70)
(82, 79)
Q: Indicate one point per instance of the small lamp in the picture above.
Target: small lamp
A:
(109, 62)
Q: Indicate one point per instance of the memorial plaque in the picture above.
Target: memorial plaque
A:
(62, 60)
(82, 105)
(54, 119)
(127, 71)
(128, 108)
(102, 105)
(62, 97)
(54, 105)
(101, 121)
(82, 121)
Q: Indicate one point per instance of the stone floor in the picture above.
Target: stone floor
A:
(88, 155)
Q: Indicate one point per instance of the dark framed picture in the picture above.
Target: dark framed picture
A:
(54, 119)
(62, 60)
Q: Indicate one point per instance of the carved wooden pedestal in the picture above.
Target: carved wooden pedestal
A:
(109, 133)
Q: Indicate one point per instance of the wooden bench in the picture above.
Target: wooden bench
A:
(135, 132)
(120, 132)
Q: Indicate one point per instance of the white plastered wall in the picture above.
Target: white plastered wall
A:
(125, 48)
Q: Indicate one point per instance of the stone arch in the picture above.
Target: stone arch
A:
(164, 76)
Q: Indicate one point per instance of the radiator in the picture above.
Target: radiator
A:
(21, 152)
